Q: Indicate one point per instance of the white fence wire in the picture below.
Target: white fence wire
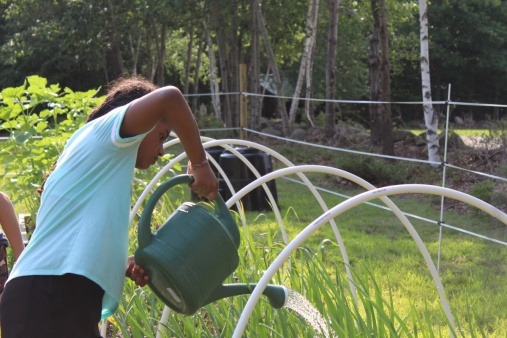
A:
(444, 164)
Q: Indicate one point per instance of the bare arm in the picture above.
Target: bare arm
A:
(10, 225)
(167, 105)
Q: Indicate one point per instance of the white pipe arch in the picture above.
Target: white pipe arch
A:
(339, 209)
(298, 170)
(236, 197)
(356, 179)
(226, 144)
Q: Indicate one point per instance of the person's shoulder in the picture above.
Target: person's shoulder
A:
(4, 199)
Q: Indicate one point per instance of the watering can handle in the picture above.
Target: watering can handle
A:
(144, 228)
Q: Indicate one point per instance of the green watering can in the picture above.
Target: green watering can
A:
(192, 253)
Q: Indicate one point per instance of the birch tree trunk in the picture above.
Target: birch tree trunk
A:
(197, 71)
(430, 118)
(223, 62)
(307, 50)
(276, 74)
(215, 89)
(332, 40)
(309, 66)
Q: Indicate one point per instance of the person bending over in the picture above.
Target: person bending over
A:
(72, 271)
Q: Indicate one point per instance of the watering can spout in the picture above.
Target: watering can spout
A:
(276, 294)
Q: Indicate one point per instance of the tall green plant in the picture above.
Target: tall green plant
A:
(39, 118)
(320, 281)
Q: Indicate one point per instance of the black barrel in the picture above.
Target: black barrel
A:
(215, 152)
(240, 176)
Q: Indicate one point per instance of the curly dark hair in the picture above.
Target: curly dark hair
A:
(120, 92)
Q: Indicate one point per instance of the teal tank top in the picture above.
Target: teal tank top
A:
(83, 220)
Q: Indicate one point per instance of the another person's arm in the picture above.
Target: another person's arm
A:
(10, 225)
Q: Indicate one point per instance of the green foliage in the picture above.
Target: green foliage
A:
(72, 42)
(380, 172)
(396, 297)
(321, 285)
(483, 190)
(471, 36)
(38, 118)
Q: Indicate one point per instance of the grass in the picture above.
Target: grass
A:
(396, 295)
(472, 270)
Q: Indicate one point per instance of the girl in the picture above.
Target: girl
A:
(72, 271)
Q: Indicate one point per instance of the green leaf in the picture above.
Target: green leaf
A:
(37, 84)
(21, 136)
(41, 126)
(55, 88)
(45, 113)
(12, 92)
(12, 124)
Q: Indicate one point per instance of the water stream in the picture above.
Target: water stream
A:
(299, 304)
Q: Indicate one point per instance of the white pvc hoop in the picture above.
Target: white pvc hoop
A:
(344, 206)
(261, 180)
(394, 208)
(356, 179)
(225, 143)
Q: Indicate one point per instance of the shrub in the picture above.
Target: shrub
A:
(379, 172)
(38, 118)
(483, 190)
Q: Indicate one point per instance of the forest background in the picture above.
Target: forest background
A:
(199, 45)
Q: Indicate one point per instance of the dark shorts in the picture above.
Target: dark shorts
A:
(51, 306)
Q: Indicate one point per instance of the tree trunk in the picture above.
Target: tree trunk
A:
(214, 88)
(374, 73)
(197, 71)
(332, 40)
(309, 65)
(150, 66)
(161, 48)
(282, 111)
(430, 118)
(134, 51)
(311, 30)
(385, 83)
(190, 45)
(255, 100)
(224, 63)
(233, 43)
(117, 64)
(380, 83)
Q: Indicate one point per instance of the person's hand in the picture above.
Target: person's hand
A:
(205, 183)
(136, 273)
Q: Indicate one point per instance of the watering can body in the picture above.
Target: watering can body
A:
(191, 254)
